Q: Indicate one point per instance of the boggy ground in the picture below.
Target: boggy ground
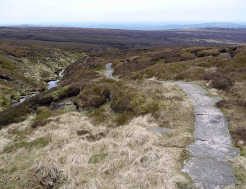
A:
(107, 116)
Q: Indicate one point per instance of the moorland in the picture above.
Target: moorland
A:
(94, 132)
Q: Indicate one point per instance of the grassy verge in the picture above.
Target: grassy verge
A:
(234, 107)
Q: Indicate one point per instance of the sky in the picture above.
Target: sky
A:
(79, 11)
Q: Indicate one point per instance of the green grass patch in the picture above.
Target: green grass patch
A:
(99, 115)
(5, 103)
(21, 143)
(16, 173)
(43, 113)
(162, 71)
(240, 60)
(4, 63)
(212, 52)
(97, 158)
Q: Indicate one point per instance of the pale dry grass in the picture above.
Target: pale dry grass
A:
(6, 133)
(239, 166)
(239, 89)
(129, 156)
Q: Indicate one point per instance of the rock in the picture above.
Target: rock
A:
(240, 142)
(209, 173)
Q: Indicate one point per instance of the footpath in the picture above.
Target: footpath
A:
(212, 147)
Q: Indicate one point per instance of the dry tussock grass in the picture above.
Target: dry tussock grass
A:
(233, 106)
(129, 156)
(239, 165)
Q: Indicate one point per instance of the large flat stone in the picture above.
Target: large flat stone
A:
(210, 173)
(191, 88)
(208, 149)
(200, 99)
(207, 110)
(212, 128)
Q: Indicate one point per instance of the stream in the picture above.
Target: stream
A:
(51, 84)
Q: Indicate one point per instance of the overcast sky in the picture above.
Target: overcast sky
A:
(61, 11)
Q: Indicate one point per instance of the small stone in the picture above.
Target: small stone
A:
(240, 142)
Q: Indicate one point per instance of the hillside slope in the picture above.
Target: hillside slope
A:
(25, 69)
(108, 128)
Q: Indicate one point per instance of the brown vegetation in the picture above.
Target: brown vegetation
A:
(20, 112)
(87, 38)
(230, 103)
(218, 80)
(25, 68)
(115, 121)
(239, 134)
(107, 155)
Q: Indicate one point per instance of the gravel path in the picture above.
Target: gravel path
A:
(213, 142)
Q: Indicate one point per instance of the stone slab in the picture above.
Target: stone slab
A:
(200, 99)
(189, 88)
(203, 110)
(208, 149)
(213, 142)
(210, 173)
(212, 128)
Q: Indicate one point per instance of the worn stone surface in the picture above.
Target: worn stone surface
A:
(191, 88)
(210, 173)
(213, 142)
(109, 72)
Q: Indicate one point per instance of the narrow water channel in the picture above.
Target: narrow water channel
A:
(51, 84)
